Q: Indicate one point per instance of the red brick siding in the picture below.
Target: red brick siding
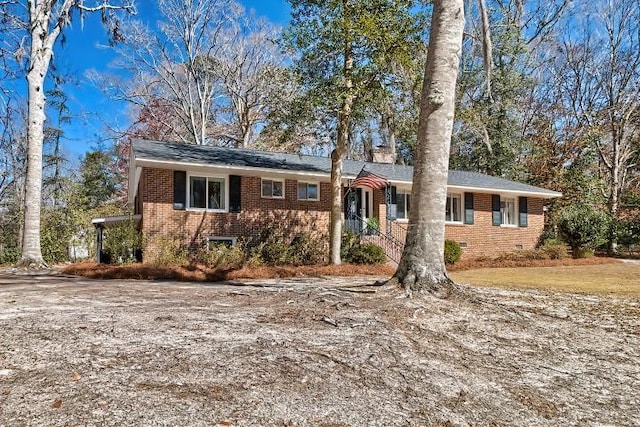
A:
(294, 216)
(192, 227)
(483, 239)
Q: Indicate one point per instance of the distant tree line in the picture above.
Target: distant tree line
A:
(547, 93)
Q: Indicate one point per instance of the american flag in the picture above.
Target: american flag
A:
(369, 179)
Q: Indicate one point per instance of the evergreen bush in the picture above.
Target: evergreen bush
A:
(122, 241)
(366, 253)
(452, 252)
(584, 228)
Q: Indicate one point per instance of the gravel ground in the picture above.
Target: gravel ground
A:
(321, 351)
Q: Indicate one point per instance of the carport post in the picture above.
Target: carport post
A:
(99, 238)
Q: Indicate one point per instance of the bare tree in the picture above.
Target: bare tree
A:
(43, 21)
(203, 75)
(12, 152)
(248, 68)
(171, 78)
(598, 81)
(421, 266)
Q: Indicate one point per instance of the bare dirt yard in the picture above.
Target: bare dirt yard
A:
(311, 351)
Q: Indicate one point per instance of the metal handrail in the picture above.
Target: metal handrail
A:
(392, 245)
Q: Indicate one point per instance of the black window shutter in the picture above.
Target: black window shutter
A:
(179, 190)
(522, 207)
(468, 208)
(495, 207)
(359, 202)
(235, 184)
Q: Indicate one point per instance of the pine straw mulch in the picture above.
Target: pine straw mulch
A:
(197, 273)
(203, 274)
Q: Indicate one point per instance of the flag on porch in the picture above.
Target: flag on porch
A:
(369, 179)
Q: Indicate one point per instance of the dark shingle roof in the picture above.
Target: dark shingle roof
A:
(206, 155)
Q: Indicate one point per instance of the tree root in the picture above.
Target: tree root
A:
(32, 264)
(443, 288)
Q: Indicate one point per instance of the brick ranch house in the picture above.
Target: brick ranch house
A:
(207, 194)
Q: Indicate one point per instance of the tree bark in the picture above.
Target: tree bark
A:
(41, 45)
(44, 31)
(422, 266)
(337, 156)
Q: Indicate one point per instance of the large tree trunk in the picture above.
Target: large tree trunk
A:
(422, 267)
(337, 156)
(31, 252)
(39, 64)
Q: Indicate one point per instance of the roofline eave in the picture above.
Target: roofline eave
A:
(171, 164)
(486, 190)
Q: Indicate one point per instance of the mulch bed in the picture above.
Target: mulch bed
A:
(203, 274)
(199, 273)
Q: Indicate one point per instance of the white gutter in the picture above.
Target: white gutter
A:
(486, 190)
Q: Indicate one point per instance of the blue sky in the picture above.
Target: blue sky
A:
(92, 112)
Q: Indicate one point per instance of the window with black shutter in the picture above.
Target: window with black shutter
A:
(235, 197)
(179, 190)
(468, 208)
(495, 208)
(523, 219)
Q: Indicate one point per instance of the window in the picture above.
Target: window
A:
(218, 242)
(404, 203)
(454, 208)
(508, 211)
(272, 189)
(206, 193)
(308, 191)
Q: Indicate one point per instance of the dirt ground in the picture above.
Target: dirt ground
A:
(320, 351)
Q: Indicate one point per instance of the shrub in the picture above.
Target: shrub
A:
(169, 251)
(222, 256)
(627, 232)
(583, 227)
(373, 226)
(349, 240)
(55, 234)
(555, 249)
(9, 254)
(122, 241)
(273, 252)
(366, 253)
(276, 249)
(355, 252)
(452, 252)
(307, 250)
(523, 255)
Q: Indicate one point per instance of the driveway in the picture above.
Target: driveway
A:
(313, 351)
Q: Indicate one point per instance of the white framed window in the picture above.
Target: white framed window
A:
(403, 203)
(508, 211)
(272, 188)
(207, 192)
(308, 191)
(454, 208)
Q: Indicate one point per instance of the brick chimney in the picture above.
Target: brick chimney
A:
(383, 155)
